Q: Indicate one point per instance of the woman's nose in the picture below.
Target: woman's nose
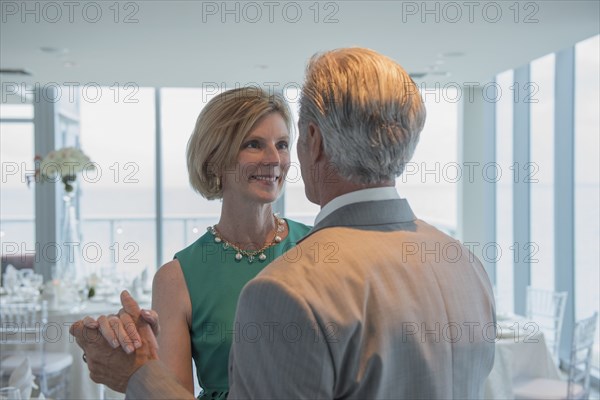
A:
(271, 156)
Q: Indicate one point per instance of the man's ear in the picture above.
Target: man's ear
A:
(315, 142)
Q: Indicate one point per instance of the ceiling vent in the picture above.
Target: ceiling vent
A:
(10, 71)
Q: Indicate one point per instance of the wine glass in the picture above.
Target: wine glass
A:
(10, 393)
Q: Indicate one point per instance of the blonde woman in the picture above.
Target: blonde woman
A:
(239, 153)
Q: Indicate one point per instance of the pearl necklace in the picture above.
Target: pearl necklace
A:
(280, 222)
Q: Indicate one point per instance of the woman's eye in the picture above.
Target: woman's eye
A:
(283, 145)
(253, 144)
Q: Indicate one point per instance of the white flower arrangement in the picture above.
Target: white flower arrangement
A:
(65, 164)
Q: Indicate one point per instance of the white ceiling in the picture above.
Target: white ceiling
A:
(183, 44)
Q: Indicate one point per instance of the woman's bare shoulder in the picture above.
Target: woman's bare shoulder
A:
(169, 287)
(168, 272)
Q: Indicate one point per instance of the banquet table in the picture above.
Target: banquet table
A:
(521, 354)
(57, 339)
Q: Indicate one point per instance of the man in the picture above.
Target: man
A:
(373, 303)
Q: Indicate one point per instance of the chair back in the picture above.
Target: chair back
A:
(581, 358)
(23, 325)
(547, 309)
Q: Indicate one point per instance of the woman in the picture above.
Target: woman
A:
(238, 152)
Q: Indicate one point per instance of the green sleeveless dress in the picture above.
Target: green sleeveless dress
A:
(214, 279)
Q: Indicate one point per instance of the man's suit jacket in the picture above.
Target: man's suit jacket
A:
(373, 303)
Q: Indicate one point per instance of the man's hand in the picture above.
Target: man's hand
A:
(113, 366)
(132, 316)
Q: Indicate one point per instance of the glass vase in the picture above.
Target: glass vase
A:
(70, 264)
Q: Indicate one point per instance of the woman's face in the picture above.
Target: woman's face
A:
(262, 163)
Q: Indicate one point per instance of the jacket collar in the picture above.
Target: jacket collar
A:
(373, 215)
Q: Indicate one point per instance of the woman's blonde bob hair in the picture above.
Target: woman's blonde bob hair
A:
(220, 129)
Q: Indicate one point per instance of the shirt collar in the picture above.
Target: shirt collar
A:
(371, 194)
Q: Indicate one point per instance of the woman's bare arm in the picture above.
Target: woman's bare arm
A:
(171, 300)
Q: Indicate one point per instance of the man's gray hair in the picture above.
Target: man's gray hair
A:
(368, 109)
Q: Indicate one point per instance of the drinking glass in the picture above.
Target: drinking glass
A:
(10, 393)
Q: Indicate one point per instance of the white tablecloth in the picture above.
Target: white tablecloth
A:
(519, 356)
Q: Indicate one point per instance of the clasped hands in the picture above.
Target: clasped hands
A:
(116, 346)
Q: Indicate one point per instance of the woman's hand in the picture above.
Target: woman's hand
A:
(120, 329)
(151, 317)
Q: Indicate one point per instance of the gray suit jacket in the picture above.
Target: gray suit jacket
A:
(372, 304)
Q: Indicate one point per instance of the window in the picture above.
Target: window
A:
(17, 209)
(186, 214)
(504, 194)
(118, 200)
(541, 173)
(587, 182)
(430, 181)
(297, 206)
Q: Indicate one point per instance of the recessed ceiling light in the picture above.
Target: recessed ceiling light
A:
(417, 75)
(54, 50)
(452, 54)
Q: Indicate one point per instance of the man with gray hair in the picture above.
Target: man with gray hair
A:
(373, 303)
